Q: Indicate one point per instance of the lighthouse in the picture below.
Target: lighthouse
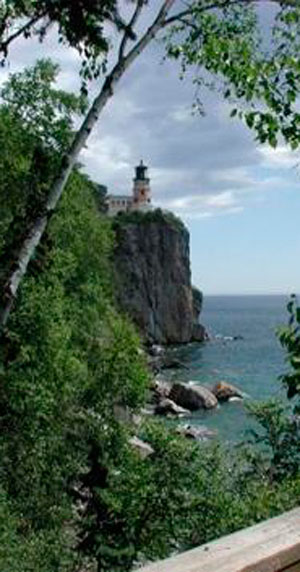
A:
(141, 188)
(140, 200)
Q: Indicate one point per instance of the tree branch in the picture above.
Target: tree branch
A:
(130, 26)
(189, 11)
(4, 22)
(25, 28)
(217, 4)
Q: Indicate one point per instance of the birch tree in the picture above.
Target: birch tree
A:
(219, 36)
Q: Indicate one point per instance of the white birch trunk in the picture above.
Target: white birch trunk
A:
(35, 234)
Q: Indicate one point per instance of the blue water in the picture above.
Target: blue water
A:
(252, 363)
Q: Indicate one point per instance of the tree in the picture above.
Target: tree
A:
(224, 46)
(35, 126)
(67, 359)
(35, 103)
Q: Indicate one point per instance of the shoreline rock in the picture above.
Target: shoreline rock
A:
(161, 389)
(168, 407)
(193, 397)
(225, 391)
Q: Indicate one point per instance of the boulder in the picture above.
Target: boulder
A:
(225, 391)
(161, 389)
(193, 397)
(200, 433)
(143, 448)
(168, 407)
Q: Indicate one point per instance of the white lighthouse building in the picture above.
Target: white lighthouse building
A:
(140, 200)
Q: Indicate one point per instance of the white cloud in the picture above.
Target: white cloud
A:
(181, 113)
(222, 200)
(109, 159)
(240, 175)
(203, 206)
(280, 158)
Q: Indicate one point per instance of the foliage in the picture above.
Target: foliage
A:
(278, 435)
(255, 68)
(35, 125)
(148, 217)
(259, 74)
(67, 359)
(80, 26)
(146, 498)
(24, 550)
(181, 496)
(45, 112)
(289, 337)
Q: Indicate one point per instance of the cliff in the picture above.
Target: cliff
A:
(153, 278)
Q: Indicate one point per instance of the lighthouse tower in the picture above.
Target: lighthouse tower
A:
(141, 189)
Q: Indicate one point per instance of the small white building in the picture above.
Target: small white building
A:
(140, 200)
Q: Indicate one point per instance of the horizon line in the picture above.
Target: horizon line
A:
(240, 294)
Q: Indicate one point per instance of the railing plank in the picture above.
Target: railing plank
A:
(271, 546)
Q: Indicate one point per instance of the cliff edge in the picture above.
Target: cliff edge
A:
(153, 277)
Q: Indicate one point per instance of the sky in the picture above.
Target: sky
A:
(239, 200)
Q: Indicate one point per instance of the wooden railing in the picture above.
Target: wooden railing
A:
(271, 546)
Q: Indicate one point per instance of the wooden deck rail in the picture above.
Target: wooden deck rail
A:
(271, 546)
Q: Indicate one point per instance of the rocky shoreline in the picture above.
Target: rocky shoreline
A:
(178, 399)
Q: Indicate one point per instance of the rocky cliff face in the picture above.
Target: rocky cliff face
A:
(153, 278)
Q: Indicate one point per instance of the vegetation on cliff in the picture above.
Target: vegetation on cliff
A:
(142, 218)
(73, 490)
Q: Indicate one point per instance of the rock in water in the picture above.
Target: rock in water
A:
(225, 391)
(153, 277)
(168, 407)
(193, 397)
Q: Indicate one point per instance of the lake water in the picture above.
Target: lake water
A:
(253, 362)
